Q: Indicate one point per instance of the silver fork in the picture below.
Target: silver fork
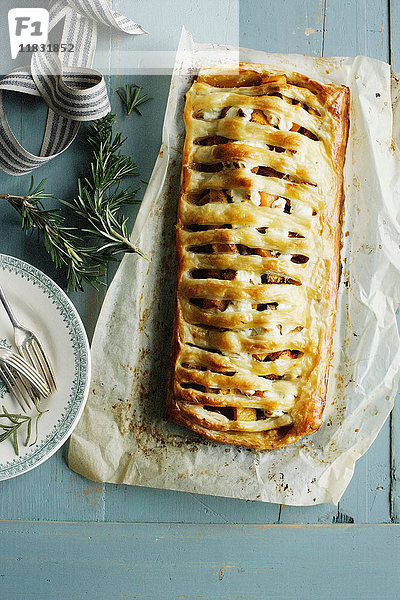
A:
(29, 346)
(16, 372)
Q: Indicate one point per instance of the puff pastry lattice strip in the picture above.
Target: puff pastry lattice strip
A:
(258, 241)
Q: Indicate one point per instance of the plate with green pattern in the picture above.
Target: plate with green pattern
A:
(42, 306)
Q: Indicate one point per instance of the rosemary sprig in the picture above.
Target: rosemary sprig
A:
(60, 241)
(131, 97)
(15, 422)
(100, 197)
(102, 234)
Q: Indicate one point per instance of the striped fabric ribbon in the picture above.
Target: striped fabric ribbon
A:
(73, 91)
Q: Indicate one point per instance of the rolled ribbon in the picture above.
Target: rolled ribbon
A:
(72, 90)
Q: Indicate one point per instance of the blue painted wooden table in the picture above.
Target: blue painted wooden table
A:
(62, 536)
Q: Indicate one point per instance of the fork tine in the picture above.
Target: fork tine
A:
(7, 377)
(24, 354)
(44, 364)
(29, 360)
(32, 360)
(24, 391)
(23, 367)
(31, 374)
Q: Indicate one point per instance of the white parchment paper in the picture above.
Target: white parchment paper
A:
(122, 437)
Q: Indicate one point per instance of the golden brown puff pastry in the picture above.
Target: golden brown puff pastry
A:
(258, 241)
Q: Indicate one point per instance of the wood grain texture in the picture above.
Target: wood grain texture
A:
(52, 492)
(353, 28)
(164, 562)
(287, 26)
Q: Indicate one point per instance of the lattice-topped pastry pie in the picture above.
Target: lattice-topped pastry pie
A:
(258, 241)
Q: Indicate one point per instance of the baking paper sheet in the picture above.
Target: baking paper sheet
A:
(122, 437)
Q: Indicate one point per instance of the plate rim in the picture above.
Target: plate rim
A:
(78, 395)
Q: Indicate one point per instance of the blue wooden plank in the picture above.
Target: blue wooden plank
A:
(52, 492)
(366, 499)
(105, 561)
(286, 26)
(353, 28)
(141, 505)
(209, 21)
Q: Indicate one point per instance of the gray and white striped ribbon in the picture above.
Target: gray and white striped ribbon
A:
(73, 91)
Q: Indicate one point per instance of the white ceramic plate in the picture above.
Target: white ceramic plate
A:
(43, 307)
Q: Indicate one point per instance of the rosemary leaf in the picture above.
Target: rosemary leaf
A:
(29, 432)
(37, 426)
(15, 442)
(131, 98)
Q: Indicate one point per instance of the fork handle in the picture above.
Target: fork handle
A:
(8, 308)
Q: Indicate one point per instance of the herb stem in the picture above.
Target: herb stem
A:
(12, 197)
(131, 247)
